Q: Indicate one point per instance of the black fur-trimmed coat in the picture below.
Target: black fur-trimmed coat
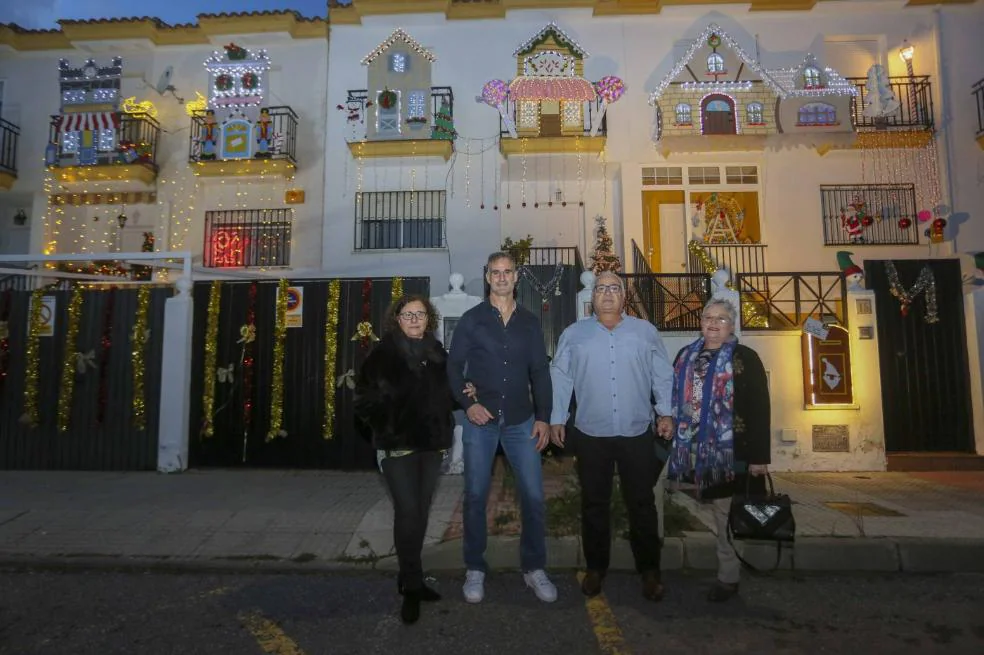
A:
(404, 402)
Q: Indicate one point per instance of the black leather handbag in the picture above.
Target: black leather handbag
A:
(756, 517)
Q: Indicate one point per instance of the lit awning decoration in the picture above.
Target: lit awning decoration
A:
(89, 121)
(552, 88)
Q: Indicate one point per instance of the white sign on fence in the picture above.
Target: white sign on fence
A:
(48, 306)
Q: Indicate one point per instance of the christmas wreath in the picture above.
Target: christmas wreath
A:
(223, 82)
(250, 81)
(714, 41)
(235, 52)
(388, 99)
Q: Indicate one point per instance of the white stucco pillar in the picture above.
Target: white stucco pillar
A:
(175, 398)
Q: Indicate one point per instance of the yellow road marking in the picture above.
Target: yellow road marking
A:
(269, 635)
(604, 625)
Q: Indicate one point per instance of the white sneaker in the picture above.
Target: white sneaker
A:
(474, 587)
(541, 585)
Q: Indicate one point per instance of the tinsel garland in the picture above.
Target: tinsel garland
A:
(277, 384)
(397, 291)
(32, 361)
(5, 337)
(70, 359)
(331, 356)
(248, 336)
(926, 282)
(364, 330)
(211, 352)
(105, 349)
(750, 315)
(138, 345)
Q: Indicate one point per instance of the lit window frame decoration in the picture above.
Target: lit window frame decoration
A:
(417, 104)
(572, 113)
(734, 110)
(715, 64)
(683, 115)
(105, 95)
(227, 75)
(398, 36)
(528, 115)
(106, 140)
(812, 78)
(566, 65)
(71, 142)
(73, 97)
(808, 109)
(399, 62)
(755, 113)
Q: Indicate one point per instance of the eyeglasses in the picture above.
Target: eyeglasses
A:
(720, 320)
(409, 317)
(608, 288)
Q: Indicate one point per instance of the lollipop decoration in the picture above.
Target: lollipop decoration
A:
(495, 93)
(610, 89)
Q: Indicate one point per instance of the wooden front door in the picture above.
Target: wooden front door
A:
(550, 119)
(718, 115)
(925, 377)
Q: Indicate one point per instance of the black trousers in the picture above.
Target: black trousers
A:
(411, 480)
(638, 469)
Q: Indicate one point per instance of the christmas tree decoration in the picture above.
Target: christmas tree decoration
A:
(444, 124)
(851, 271)
(925, 283)
(609, 89)
(879, 101)
(603, 257)
(276, 430)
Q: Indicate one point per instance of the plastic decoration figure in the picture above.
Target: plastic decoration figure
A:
(851, 271)
(210, 136)
(264, 133)
(936, 229)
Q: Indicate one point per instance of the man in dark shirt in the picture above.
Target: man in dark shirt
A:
(498, 347)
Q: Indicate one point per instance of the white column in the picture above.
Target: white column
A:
(175, 398)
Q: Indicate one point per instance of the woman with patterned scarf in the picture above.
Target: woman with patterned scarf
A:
(722, 426)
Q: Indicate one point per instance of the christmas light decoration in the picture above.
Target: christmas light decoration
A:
(398, 36)
(196, 106)
(132, 106)
(551, 29)
(237, 77)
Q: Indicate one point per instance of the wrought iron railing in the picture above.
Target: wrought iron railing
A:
(135, 142)
(640, 264)
(788, 299)
(357, 104)
(248, 238)
(915, 112)
(869, 215)
(589, 110)
(978, 91)
(671, 301)
(400, 220)
(9, 134)
(282, 144)
(738, 258)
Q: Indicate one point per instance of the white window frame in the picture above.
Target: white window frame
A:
(754, 113)
(715, 63)
(683, 114)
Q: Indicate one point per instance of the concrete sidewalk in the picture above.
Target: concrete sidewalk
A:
(315, 520)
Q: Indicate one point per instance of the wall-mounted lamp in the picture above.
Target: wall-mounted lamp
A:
(20, 218)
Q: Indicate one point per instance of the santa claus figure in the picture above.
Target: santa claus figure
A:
(851, 223)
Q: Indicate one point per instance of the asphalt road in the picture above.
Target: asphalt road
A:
(135, 613)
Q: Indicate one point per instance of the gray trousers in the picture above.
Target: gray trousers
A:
(729, 567)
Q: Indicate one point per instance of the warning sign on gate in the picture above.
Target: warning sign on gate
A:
(295, 307)
(47, 325)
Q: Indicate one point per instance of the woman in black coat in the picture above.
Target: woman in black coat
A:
(403, 403)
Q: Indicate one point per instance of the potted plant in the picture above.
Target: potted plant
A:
(520, 250)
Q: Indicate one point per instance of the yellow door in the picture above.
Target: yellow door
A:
(664, 231)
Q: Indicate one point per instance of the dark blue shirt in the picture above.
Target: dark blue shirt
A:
(504, 362)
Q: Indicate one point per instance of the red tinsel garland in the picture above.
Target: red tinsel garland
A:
(106, 344)
(5, 340)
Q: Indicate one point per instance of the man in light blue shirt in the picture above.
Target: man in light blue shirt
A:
(614, 365)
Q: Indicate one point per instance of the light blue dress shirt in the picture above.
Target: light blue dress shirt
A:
(613, 373)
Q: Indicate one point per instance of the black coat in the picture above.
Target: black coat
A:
(403, 401)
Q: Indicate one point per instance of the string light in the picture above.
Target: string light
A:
(398, 36)
(468, 155)
(523, 185)
(236, 77)
(559, 35)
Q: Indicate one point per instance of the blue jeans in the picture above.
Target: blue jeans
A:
(480, 443)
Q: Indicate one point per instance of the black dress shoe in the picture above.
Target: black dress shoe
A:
(410, 611)
(591, 584)
(426, 594)
(722, 591)
(652, 588)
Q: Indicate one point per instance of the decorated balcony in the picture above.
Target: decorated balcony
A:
(236, 133)
(893, 112)
(9, 133)
(103, 146)
(979, 99)
(404, 127)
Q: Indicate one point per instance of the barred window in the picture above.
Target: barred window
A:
(244, 238)
(396, 220)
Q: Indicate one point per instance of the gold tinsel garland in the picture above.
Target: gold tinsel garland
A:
(397, 291)
(70, 361)
(211, 352)
(751, 316)
(32, 362)
(277, 385)
(331, 356)
(139, 343)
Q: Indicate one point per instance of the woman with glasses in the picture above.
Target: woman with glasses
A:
(722, 425)
(403, 403)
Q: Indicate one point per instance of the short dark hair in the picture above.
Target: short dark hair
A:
(500, 254)
(396, 308)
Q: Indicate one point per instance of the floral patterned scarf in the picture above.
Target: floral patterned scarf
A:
(704, 440)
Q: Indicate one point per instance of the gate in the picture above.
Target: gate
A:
(924, 370)
(238, 442)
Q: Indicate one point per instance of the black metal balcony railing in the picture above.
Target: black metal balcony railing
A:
(738, 258)
(786, 300)
(248, 238)
(357, 104)
(589, 111)
(283, 130)
(673, 302)
(640, 264)
(398, 220)
(869, 215)
(915, 111)
(9, 134)
(136, 139)
(978, 91)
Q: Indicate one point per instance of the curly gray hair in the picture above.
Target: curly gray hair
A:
(727, 305)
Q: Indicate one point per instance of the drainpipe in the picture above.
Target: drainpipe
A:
(946, 166)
